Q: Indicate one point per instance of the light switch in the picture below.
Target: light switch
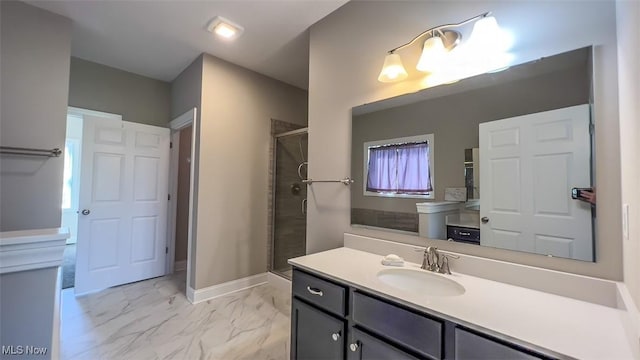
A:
(625, 221)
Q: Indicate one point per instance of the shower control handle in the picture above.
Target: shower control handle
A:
(86, 212)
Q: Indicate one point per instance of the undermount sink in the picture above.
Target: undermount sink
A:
(420, 282)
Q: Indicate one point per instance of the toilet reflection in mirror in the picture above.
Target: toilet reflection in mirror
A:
(516, 142)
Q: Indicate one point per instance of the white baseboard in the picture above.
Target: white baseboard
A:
(190, 294)
(279, 283)
(180, 265)
(212, 292)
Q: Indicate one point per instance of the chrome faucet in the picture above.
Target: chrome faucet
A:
(430, 259)
(435, 261)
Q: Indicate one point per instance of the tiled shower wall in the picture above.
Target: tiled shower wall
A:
(287, 231)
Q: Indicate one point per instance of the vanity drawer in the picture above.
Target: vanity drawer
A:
(320, 292)
(416, 332)
(469, 345)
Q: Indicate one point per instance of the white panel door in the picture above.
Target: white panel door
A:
(123, 203)
(528, 165)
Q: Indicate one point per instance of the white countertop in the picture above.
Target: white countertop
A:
(562, 325)
(33, 236)
(31, 249)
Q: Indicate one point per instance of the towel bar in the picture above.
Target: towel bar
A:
(30, 151)
(346, 181)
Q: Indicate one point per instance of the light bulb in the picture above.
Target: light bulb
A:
(488, 36)
(225, 30)
(433, 55)
(392, 70)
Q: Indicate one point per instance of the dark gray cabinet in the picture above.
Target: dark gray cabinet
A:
(332, 321)
(366, 347)
(315, 334)
(412, 330)
(472, 346)
(319, 292)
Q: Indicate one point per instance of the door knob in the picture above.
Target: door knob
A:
(354, 346)
(86, 212)
(484, 219)
(335, 336)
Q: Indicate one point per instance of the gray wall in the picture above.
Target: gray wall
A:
(182, 202)
(34, 57)
(186, 94)
(237, 108)
(454, 121)
(27, 301)
(628, 74)
(186, 89)
(35, 51)
(338, 83)
(137, 98)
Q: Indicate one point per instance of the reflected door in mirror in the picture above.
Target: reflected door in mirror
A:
(528, 165)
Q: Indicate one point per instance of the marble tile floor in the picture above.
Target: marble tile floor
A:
(153, 319)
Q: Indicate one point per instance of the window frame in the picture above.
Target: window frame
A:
(429, 138)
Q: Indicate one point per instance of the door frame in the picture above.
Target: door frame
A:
(80, 112)
(177, 124)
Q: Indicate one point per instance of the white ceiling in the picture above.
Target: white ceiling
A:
(159, 39)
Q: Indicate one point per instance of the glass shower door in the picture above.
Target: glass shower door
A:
(289, 200)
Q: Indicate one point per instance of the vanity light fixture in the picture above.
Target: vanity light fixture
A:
(440, 40)
(224, 28)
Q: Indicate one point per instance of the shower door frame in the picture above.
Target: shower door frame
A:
(275, 137)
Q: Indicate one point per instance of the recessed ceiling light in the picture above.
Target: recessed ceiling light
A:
(224, 28)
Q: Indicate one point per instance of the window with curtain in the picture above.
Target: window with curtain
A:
(400, 168)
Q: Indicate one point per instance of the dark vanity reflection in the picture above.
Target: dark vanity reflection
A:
(513, 143)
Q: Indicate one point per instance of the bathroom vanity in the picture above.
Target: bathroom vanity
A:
(332, 320)
(343, 307)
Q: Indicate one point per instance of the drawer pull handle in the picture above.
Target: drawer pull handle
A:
(465, 233)
(335, 336)
(354, 346)
(314, 291)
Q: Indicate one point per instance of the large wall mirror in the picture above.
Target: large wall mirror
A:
(503, 159)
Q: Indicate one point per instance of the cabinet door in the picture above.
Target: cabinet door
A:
(366, 347)
(315, 334)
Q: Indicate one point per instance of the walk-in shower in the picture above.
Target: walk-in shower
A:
(289, 199)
